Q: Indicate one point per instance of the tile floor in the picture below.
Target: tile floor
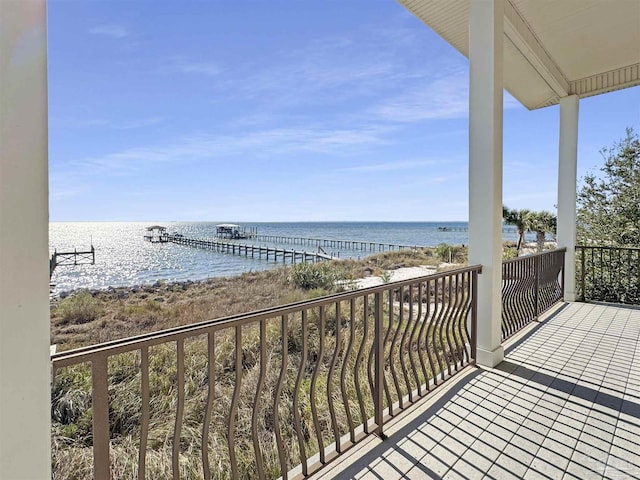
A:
(565, 404)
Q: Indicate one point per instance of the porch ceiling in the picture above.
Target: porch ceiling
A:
(552, 48)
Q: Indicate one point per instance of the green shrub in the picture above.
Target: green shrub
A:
(448, 253)
(78, 308)
(309, 276)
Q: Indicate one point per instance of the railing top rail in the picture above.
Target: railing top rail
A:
(83, 354)
(534, 255)
(606, 247)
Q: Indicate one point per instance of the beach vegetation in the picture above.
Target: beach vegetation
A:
(509, 251)
(385, 276)
(402, 258)
(609, 216)
(313, 276)
(78, 309)
(128, 311)
(450, 253)
(609, 200)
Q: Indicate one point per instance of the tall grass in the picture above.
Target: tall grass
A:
(78, 309)
(71, 411)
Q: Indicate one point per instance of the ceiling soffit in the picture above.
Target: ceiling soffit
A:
(536, 29)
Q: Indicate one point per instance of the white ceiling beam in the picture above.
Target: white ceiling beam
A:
(523, 38)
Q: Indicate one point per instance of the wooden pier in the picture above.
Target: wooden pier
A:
(340, 244)
(60, 259)
(254, 251)
(466, 229)
(158, 234)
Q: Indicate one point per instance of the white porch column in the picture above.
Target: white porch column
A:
(25, 434)
(486, 20)
(567, 177)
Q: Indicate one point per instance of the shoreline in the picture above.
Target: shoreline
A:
(528, 248)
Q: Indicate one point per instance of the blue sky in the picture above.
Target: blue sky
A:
(281, 111)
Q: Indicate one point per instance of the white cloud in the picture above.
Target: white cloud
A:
(263, 143)
(390, 166)
(139, 123)
(77, 122)
(433, 98)
(445, 97)
(104, 123)
(310, 81)
(193, 67)
(59, 193)
(327, 70)
(110, 30)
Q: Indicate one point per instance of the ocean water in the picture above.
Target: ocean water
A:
(123, 258)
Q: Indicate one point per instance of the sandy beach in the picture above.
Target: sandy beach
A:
(397, 275)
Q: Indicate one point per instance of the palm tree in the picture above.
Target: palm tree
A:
(518, 218)
(541, 223)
